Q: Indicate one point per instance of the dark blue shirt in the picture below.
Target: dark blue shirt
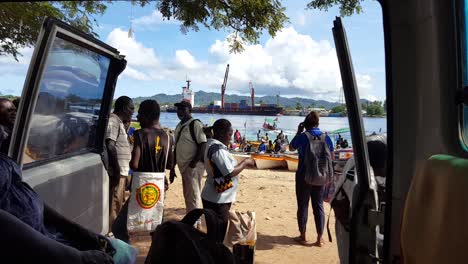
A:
(301, 141)
(20, 200)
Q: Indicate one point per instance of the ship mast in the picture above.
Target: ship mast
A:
(252, 96)
(223, 87)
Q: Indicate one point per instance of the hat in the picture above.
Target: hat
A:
(183, 104)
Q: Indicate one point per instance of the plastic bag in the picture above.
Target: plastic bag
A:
(125, 253)
(242, 229)
(145, 209)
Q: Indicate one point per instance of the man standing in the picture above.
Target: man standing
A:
(7, 121)
(119, 153)
(190, 143)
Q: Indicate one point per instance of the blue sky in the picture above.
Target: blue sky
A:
(299, 61)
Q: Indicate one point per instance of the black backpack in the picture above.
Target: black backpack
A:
(179, 242)
(318, 167)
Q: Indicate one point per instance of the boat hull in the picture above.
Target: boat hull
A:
(265, 162)
(292, 163)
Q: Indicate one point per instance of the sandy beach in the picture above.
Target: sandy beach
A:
(270, 193)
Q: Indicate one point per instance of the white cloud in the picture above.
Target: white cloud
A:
(151, 21)
(290, 64)
(135, 74)
(185, 59)
(135, 52)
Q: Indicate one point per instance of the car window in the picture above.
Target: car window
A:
(66, 113)
(464, 47)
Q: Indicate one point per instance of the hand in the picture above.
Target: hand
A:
(300, 128)
(249, 162)
(96, 257)
(106, 245)
(172, 176)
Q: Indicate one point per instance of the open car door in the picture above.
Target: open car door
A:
(365, 219)
(62, 119)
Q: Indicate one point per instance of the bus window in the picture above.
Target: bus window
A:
(70, 93)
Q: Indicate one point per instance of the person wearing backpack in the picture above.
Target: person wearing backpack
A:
(190, 141)
(222, 168)
(314, 171)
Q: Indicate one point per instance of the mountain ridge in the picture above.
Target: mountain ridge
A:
(205, 98)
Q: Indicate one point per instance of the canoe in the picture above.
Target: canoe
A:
(269, 162)
(240, 156)
(292, 162)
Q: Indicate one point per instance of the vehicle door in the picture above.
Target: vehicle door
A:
(365, 218)
(61, 122)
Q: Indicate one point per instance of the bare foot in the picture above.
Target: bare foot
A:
(301, 240)
(319, 243)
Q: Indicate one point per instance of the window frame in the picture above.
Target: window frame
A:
(53, 28)
(462, 60)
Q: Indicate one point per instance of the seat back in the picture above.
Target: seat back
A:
(435, 218)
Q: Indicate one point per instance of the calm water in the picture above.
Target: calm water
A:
(286, 123)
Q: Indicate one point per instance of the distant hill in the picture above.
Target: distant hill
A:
(204, 98)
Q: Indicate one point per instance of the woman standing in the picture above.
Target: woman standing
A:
(221, 184)
(305, 192)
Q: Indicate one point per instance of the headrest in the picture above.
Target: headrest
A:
(435, 218)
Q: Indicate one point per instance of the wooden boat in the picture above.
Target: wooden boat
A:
(292, 161)
(265, 161)
(240, 156)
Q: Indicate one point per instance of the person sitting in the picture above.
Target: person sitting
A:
(266, 138)
(270, 147)
(344, 144)
(7, 121)
(262, 148)
(32, 232)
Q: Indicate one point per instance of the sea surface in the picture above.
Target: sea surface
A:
(286, 123)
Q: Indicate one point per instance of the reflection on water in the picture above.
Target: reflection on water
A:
(286, 123)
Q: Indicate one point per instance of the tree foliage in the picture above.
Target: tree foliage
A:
(246, 20)
(347, 7)
(339, 109)
(20, 22)
(375, 109)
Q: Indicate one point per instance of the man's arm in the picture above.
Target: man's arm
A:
(201, 140)
(113, 162)
(198, 156)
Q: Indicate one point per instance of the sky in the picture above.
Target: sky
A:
(300, 61)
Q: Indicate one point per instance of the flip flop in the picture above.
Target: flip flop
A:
(320, 243)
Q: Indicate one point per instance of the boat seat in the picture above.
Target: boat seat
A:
(435, 218)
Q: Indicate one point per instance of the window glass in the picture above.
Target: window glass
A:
(464, 111)
(68, 104)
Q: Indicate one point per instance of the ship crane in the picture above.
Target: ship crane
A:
(252, 96)
(223, 87)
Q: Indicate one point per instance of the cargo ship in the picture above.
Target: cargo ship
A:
(220, 107)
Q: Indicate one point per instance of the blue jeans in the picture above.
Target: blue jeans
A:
(304, 193)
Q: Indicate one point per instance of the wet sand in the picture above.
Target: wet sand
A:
(270, 193)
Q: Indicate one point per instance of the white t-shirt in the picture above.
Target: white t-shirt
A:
(225, 163)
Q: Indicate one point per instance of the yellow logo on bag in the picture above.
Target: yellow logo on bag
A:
(148, 195)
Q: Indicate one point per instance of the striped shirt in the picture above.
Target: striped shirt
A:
(116, 132)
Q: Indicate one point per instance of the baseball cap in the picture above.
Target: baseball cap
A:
(183, 104)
